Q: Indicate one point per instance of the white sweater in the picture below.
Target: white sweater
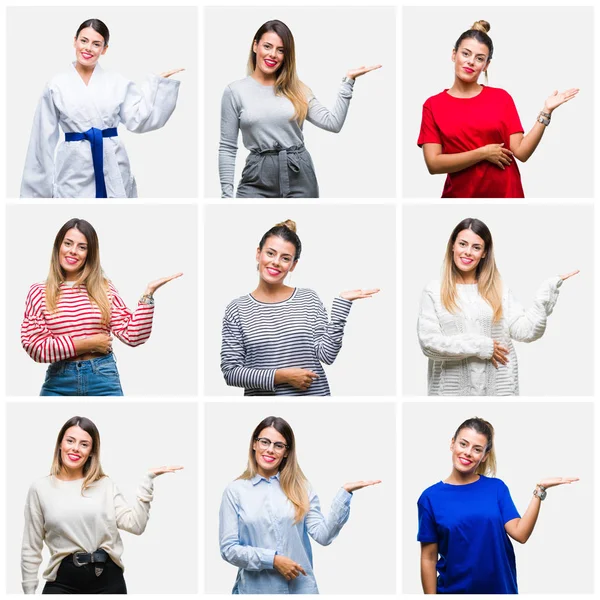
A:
(459, 346)
(68, 521)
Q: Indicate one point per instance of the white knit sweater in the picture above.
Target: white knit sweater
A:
(459, 346)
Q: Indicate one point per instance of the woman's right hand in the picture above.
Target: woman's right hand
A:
(287, 567)
(497, 154)
(100, 343)
(500, 354)
(301, 379)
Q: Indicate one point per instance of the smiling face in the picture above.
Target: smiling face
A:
(269, 54)
(468, 451)
(269, 456)
(275, 260)
(75, 449)
(72, 253)
(470, 60)
(89, 47)
(467, 252)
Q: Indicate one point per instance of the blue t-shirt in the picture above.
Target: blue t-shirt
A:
(467, 523)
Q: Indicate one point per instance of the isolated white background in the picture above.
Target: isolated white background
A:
(134, 438)
(536, 50)
(143, 40)
(341, 444)
(343, 248)
(138, 244)
(533, 441)
(531, 244)
(360, 161)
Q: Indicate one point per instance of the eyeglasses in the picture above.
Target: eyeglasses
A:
(265, 444)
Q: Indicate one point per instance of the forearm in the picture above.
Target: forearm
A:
(523, 528)
(250, 378)
(453, 163)
(428, 576)
(329, 336)
(529, 142)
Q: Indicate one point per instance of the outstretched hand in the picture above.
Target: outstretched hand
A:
(554, 481)
(169, 73)
(154, 285)
(565, 277)
(359, 485)
(555, 99)
(354, 73)
(161, 470)
(358, 294)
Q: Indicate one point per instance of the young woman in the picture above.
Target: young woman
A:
(268, 513)
(70, 319)
(473, 132)
(77, 511)
(270, 107)
(275, 339)
(468, 320)
(88, 105)
(466, 520)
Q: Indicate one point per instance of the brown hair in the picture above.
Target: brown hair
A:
(482, 427)
(286, 230)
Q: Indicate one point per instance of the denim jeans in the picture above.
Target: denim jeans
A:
(96, 377)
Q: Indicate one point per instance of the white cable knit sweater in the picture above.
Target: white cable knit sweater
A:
(460, 346)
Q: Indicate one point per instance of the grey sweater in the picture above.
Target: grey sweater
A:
(266, 121)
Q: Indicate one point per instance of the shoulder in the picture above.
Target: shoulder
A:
(237, 87)
(237, 488)
(430, 492)
(435, 100)
(36, 294)
(498, 94)
(493, 483)
(37, 288)
(234, 306)
(433, 287)
(40, 485)
(307, 294)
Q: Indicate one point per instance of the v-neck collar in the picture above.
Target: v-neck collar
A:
(92, 77)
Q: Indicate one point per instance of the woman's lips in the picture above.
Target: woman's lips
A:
(273, 272)
(466, 261)
(270, 63)
(468, 70)
(74, 457)
(71, 261)
(86, 56)
(268, 459)
(464, 461)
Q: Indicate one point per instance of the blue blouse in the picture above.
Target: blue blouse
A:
(256, 522)
(467, 523)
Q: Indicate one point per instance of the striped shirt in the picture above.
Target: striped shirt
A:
(49, 337)
(260, 337)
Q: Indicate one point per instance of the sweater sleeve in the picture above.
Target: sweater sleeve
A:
(134, 518)
(38, 175)
(329, 334)
(250, 558)
(36, 338)
(150, 106)
(233, 358)
(33, 538)
(132, 328)
(324, 529)
(331, 120)
(438, 346)
(529, 325)
(230, 127)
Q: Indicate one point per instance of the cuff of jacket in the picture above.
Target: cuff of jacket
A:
(266, 558)
(487, 351)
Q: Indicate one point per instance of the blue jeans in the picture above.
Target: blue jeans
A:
(96, 377)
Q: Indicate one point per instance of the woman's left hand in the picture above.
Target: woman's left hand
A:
(555, 99)
(161, 470)
(554, 481)
(358, 294)
(359, 485)
(565, 277)
(154, 285)
(354, 73)
(169, 73)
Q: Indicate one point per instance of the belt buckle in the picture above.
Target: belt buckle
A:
(76, 561)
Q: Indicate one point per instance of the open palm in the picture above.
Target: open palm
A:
(555, 99)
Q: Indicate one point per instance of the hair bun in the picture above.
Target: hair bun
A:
(291, 225)
(481, 26)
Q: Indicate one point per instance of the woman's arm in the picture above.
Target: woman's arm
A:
(230, 127)
(437, 162)
(328, 335)
(429, 558)
(33, 538)
(134, 518)
(523, 146)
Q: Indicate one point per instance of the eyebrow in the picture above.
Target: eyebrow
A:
(467, 50)
(72, 242)
(474, 445)
(283, 254)
(467, 241)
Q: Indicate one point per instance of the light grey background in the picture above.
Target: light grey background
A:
(344, 247)
(335, 445)
(143, 40)
(360, 161)
(138, 244)
(164, 559)
(532, 243)
(533, 441)
(536, 50)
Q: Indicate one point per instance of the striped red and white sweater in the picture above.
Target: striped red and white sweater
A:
(49, 337)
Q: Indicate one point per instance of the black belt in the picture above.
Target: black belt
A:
(99, 558)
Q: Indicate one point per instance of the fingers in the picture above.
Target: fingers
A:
(494, 362)
(564, 277)
(172, 72)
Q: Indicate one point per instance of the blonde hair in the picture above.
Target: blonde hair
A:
(287, 82)
(489, 282)
(483, 427)
(91, 275)
(92, 469)
(291, 478)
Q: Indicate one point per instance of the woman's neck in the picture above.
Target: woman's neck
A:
(460, 89)
(466, 279)
(263, 79)
(84, 72)
(70, 474)
(266, 292)
(457, 478)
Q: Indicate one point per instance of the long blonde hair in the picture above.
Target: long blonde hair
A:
(287, 83)
(91, 275)
(291, 478)
(483, 427)
(92, 469)
(489, 283)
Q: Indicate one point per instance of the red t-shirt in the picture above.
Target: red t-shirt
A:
(463, 124)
